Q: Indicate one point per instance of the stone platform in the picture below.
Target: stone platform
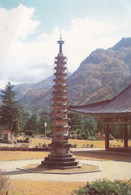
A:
(84, 168)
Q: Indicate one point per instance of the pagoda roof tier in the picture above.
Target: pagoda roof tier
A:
(60, 100)
(60, 87)
(60, 64)
(60, 74)
(62, 105)
(60, 57)
(60, 80)
(60, 67)
(60, 118)
(62, 95)
(60, 127)
(63, 98)
(61, 112)
(119, 105)
(62, 84)
(61, 92)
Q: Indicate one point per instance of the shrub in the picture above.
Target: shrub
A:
(44, 146)
(23, 148)
(87, 145)
(105, 187)
(92, 138)
(91, 145)
(3, 184)
(74, 145)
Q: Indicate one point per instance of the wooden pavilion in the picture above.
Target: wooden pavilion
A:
(115, 111)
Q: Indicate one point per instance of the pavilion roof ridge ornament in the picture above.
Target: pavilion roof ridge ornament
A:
(60, 42)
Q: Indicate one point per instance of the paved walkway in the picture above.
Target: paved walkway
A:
(110, 170)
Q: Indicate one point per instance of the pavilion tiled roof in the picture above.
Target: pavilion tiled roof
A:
(120, 104)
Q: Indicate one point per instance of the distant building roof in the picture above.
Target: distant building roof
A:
(120, 104)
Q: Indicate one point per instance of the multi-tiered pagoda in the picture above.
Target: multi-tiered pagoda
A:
(60, 156)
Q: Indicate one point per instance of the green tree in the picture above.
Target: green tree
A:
(24, 117)
(117, 131)
(100, 127)
(90, 127)
(15, 127)
(10, 108)
(45, 118)
(76, 125)
(31, 126)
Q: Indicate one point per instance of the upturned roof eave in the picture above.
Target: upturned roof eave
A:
(114, 106)
(102, 114)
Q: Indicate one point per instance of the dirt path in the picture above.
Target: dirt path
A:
(110, 170)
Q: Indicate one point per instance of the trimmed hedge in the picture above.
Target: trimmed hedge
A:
(105, 187)
(23, 148)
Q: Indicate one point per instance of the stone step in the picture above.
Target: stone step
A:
(60, 155)
(59, 164)
(68, 159)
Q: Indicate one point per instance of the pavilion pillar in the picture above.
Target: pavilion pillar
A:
(125, 136)
(106, 137)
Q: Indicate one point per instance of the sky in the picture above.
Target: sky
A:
(29, 30)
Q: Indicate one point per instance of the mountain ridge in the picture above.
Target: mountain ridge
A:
(101, 75)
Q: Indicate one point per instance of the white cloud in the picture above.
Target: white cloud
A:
(23, 61)
(15, 24)
(86, 35)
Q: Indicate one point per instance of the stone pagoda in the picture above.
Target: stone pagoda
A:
(60, 156)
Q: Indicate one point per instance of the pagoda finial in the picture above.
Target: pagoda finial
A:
(60, 36)
(60, 42)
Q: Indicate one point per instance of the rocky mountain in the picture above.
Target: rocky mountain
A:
(101, 75)
(32, 95)
(36, 97)
(23, 89)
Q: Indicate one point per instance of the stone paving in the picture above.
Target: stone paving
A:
(110, 170)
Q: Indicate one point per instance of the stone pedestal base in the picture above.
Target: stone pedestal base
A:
(60, 158)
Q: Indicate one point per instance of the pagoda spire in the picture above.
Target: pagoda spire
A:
(60, 42)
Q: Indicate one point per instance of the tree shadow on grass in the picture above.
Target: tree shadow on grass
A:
(103, 155)
(15, 172)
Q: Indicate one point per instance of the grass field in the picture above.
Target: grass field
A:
(42, 187)
(18, 155)
(21, 155)
(81, 143)
(28, 187)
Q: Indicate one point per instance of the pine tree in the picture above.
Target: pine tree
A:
(10, 108)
